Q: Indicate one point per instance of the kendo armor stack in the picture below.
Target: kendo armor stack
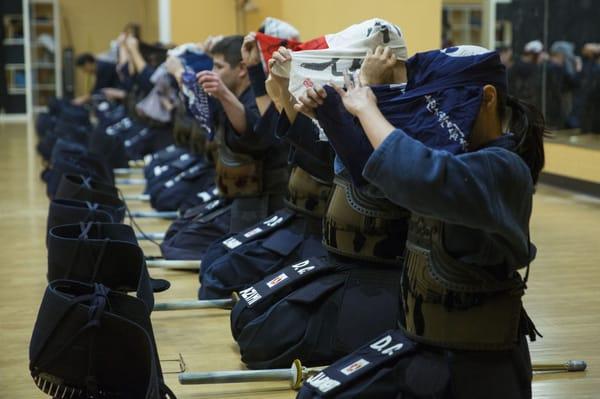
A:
(91, 342)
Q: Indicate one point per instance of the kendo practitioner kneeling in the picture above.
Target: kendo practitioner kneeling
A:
(462, 334)
(293, 233)
(251, 167)
(321, 308)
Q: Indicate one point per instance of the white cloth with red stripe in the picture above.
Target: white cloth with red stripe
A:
(342, 51)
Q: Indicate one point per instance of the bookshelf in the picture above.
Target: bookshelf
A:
(45, 49)
(30, 57)
(13, 88)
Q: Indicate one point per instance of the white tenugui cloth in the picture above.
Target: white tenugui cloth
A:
(345, 52)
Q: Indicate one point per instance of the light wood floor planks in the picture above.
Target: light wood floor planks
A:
(563, 297)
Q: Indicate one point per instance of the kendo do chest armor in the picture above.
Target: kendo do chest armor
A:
(363, 228)
(454, 305)
(307, 194)
(241, 175)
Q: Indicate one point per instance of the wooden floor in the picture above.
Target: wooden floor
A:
(563, 296)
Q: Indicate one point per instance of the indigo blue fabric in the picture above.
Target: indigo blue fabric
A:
(68, 157)
(194, 212)
(44, 123)
(147, 141)
(111, 147)
(253, 117)
(108, 112)
(259, 141)
(484, 196)
(106, 76)
(226, 271)
(196, 60)
(161, 173)
(143, 82)
(183, 186)
(65, 211)
(192, 241)
(410, 372)
(306, 150)
(197, 101)
(318, 318)
(438, 106)
(162, 157)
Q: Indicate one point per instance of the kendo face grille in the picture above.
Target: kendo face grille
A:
(58, 389)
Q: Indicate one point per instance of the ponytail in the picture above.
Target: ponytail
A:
(526, 122)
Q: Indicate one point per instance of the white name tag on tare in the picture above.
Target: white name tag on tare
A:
(204, 196)
(278, 279)
(355, 366)
(253, 232)
(232, 243)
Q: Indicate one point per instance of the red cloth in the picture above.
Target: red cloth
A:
(269, 44)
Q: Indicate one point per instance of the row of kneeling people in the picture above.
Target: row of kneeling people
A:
(371, 210)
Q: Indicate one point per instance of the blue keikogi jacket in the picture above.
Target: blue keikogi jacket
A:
(425, 166)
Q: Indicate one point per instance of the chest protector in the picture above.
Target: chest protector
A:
(238, 175)
(362, 227)
(454, 305)
(307, 195)
(241, 175)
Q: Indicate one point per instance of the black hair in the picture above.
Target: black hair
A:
(135, 28)
(527, 124)
(231, 49)
(84, 58)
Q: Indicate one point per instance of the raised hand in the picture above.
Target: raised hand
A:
(356, 98)
(310, 100)
(378, 66)
(131, 43)
(212, 84)
(250, 54)
(282, 55)
(277, 86)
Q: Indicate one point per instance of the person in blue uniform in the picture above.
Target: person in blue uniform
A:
(251, 164)
(320, 308)
(105, 74)
(463, 334)
(294, 232)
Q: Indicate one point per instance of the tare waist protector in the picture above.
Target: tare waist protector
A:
(454, 305)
